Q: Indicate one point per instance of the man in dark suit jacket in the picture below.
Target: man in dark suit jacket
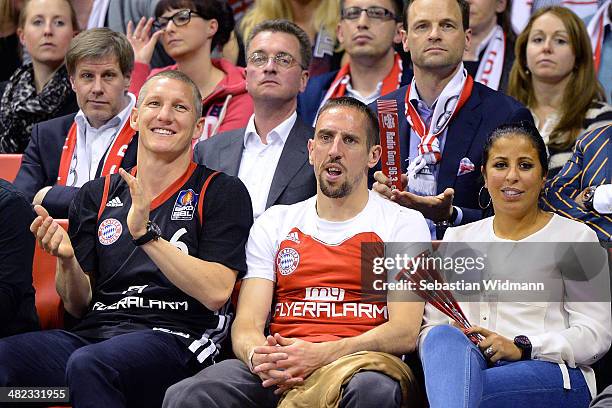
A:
(436, 54)
(65, 152)
(270, 155)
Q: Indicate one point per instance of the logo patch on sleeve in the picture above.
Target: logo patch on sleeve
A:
(109, 231)
(185, 205)
(287, 261)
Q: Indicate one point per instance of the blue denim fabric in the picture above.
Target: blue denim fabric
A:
(457, 376)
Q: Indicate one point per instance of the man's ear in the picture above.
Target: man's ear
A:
(405, 43)
(374, 155)
(310, 149)
(134, 118)
(126, 82)
(340, 34)
(304, 80)
(72, 85)
(397, 36)
(199, 126)
(468, 38)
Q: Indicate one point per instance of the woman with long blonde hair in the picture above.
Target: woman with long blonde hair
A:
(318, 18)
(553, 75)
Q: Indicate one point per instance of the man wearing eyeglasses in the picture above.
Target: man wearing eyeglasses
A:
(66, 152)
(445, 118)
(367, 31)
(269, 155)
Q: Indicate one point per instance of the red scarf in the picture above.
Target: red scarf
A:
(343, 77)
(113, 159)
(427, 139)
(338, 86)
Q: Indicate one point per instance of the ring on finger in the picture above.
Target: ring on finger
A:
(489, 352)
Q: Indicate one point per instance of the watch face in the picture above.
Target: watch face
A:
(153, 227)
(522, 341)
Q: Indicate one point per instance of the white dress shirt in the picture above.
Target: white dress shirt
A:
(368, 99)
(259, 160)
(93, 144)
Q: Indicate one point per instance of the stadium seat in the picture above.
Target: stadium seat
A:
(9, 166)
(48, 303)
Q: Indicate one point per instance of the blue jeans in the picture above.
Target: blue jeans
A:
(457, 375)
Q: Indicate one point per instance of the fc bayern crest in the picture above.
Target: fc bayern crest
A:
(287, 261)
(109, 231)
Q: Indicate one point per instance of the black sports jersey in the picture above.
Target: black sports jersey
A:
(205, 214)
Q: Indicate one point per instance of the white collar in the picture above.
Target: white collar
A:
(349, 88)
(282, 130)
(117, 121)
(418, 98)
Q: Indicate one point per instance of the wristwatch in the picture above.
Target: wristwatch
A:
(588, 196)
(524, 344)
(153, 233)
(447, 223)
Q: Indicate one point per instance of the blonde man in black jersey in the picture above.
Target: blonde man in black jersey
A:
(149, 263)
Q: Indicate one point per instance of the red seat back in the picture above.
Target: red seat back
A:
(9, 166)
(48, 303)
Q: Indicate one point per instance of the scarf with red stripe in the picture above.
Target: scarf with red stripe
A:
(492, 64)
(338, 86)
(453, 97)
(596, 28)
(113, 158)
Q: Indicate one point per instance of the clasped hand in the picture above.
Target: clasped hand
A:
(286, 362)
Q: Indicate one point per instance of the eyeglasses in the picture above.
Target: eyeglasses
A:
(180, 18)
(282, 59)
(377, 13)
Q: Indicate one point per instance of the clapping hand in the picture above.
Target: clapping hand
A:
(138, 216)
(50, 236)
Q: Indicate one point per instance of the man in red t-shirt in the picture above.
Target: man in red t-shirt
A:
(327, 337)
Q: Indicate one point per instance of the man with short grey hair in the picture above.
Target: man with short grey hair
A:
(68, 151)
